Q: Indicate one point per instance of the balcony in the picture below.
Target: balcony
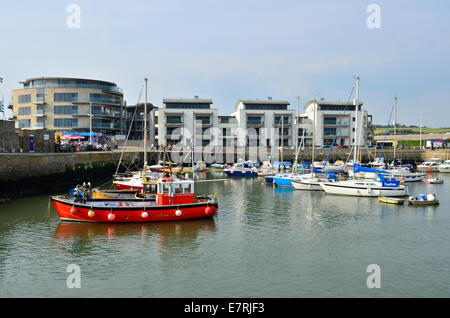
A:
(39, 113)
(174, 120)
(39, 126)
(286, 121)
(107, 88)
(255, 122)
(39, 100)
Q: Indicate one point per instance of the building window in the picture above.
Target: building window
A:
(65, 122)
(24, 111)
(66, 110)
(101, 123)
(253, 120)
(329, 121)
(329, 131)
(23, 99)
(174, 119)
(205, 119)
(103, 98)
(65, 97)
(24, 123)
(224, 120)
(265, 107)
(187, 106)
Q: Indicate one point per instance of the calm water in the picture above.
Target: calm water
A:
(264, 242)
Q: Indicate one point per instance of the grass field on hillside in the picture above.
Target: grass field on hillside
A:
(411, 130)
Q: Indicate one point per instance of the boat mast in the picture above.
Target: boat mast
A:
(296, 134)
(395, 127)
(282, 142)
(145, 125)
(314, 138)
(356, 121)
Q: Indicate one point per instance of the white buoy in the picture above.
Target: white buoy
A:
(178, 213)
(144, 215)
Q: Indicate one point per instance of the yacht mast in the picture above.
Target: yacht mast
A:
(356, 121)
(145, 125)
(395, 127)
(314, 138)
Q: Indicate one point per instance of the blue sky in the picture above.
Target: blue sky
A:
(227, 50)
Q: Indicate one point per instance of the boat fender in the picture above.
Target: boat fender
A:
(178, 213)
(91, 213)
(210, 211)
(111, 216)
(73, 210)
(144, 215)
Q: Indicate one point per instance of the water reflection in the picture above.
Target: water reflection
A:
(82, 235)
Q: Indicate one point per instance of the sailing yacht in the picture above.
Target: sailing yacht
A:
(381, 185)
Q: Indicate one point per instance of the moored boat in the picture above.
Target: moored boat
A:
(175, 200)
(430, 165)
(435, 181)
(423, 199)
(391, 200)
(445, 166)
(238, 170)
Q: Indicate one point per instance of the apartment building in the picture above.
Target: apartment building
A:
(66, 104)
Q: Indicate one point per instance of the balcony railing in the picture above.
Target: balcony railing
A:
(92, 86)
(39, 112)
(255, 122)
(38, 100)
(286, 121)
(39, 125)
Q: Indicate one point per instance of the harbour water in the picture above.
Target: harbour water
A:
(263, 242)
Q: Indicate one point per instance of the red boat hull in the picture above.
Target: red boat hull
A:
(73, 211)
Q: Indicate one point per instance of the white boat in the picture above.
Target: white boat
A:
(435, 181)
(366, 188)
(445, 166)
(309, 182)
(430, 165)
(405, 175)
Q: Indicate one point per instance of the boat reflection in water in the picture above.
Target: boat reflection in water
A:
(167, 233)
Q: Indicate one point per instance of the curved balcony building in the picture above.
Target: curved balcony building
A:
(64, 104)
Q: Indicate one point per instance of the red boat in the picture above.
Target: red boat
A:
(175, 200)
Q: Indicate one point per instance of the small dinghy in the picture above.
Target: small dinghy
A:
(391, 200)
(423, 199)
(435, 181)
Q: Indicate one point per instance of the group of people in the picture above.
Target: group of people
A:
(75, 146)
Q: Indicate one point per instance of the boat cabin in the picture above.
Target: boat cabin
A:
(173, 192)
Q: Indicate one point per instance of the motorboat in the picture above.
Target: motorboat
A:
(175, 200)
(445, 166)
(405, 175)
(430, 165)
(423, 199)
(239, 170)
(435, 181)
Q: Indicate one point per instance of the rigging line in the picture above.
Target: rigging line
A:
(129, 130)
(387, 130)
(339, 127)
